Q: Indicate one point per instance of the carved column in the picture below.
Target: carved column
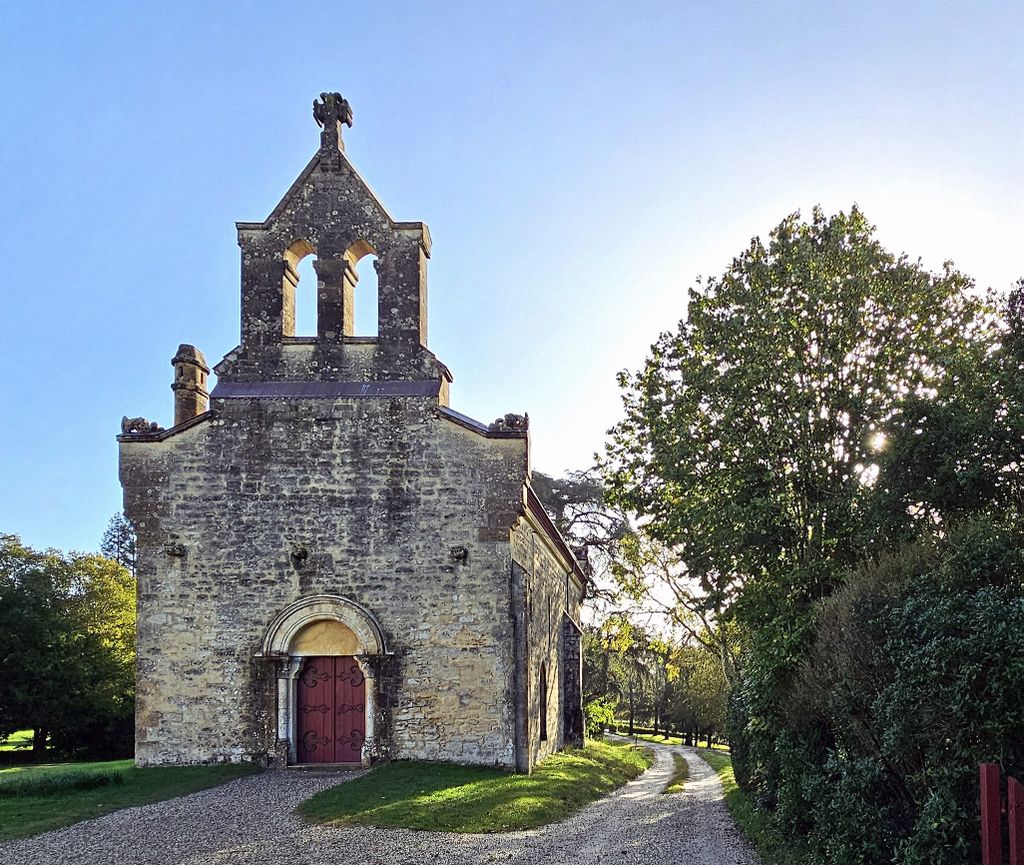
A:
(369, 664)
(287, 672)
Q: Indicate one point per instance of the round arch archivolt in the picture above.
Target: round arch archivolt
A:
(291, 620)
(280, 644)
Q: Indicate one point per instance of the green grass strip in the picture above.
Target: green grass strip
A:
(36, 799)
(454, 798)
(755, 824)
(657, 740)
(680, 776)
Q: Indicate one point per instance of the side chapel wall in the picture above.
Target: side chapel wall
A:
(548, 596)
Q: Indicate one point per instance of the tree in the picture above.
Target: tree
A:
(957, 451)
(699, 693)
(28, 622)
(751, 438)
(118, 541)
(649, 573)
(578, 507)
(620, 668)
(67, 649)
(632, 576)
(824, 402)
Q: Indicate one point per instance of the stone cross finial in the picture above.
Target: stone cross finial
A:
(330, 111)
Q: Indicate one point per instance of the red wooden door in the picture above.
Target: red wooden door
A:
(331, 711)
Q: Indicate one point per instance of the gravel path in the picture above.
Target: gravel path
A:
(250, 821)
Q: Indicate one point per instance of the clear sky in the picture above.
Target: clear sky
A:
(579, 165)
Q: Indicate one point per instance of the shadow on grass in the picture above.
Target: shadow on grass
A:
(455, 798)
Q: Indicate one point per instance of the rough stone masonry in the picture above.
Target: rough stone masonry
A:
(324, 501)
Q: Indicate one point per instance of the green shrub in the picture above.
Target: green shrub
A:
(598, 715)
(58, 783)
(108, 735)
(867, 750)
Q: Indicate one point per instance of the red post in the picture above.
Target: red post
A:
(991, 822)
(1015, 795)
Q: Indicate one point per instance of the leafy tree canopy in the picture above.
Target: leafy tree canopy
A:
(67, 648)
(753, 435)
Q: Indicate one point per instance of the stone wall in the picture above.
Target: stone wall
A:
(376, 493)
(572, 682)
(549, 594)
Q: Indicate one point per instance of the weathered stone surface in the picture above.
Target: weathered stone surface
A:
(407, 528)
(550, 596)
(191, 397)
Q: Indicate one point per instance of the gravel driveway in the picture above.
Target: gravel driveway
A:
(250, 821)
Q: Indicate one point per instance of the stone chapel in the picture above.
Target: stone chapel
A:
(334, 566)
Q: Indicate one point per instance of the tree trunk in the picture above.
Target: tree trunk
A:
(604, 672)
(39, 742)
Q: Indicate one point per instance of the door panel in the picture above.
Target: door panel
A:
(331, 704)
(349, 710)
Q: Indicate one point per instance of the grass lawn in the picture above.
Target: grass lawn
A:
(680, 776)
(17, 741)
(753, 822)
(39, 798)
(453, 798)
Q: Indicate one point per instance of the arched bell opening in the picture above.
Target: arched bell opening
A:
(327, 651)
(367, 298)
(362, 257)
(305, 303)
(299, 290)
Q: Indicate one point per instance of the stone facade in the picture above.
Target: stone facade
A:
(324, 499)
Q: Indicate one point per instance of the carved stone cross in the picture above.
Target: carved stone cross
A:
(330, 111)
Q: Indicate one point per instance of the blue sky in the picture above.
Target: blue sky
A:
(579, 165)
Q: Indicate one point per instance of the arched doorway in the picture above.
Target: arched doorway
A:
(327, 649)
